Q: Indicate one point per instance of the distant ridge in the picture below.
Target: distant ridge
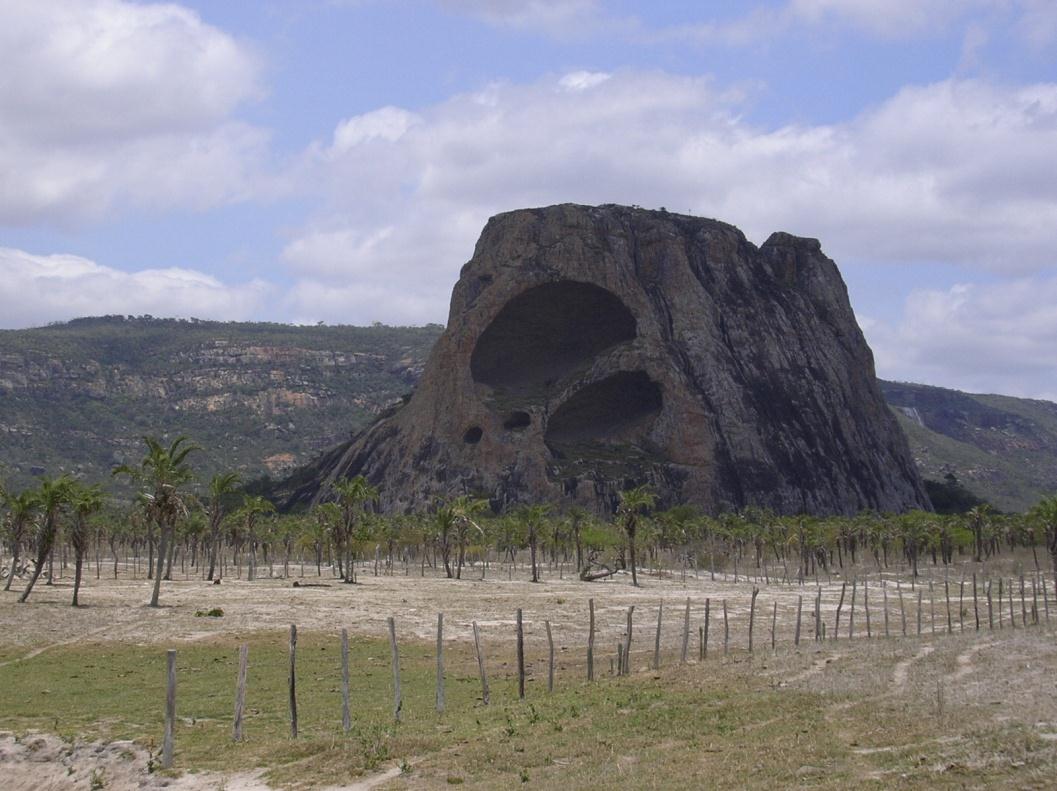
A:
(76, 397)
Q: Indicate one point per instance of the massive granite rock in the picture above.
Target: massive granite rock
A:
(589, 349)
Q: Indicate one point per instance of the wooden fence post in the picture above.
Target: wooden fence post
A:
(902, 609)
(293, 681)
(866, 607)
(591, 641)
(990, 608)
(799, 610)
(1023, 604)
(704, 635)
(440, 662)
(480, 664)
(884, 596)
(657, 639)
(1012, 616)
(919, 613)
(752, 614)
(398, 699)
(818, 615)
(726, 629)
(976, 606)
(774, 627)
(240, 690)
(170, 709)
(947, 595)
(851, 610)
(346, 718)
(520, 657)
(840, 604)
(626, 669)
(1001, 600)
(550, 657)
(961, 604)
(686, 632)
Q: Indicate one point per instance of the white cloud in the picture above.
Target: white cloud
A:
(107, 102)
(553, 16)
(976, 337)
(36, 289)
(895, 18)
(954, 172)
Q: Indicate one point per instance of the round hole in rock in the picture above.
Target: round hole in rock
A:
(517, 421)
(473, 435)
(546, 332)
(618, 409)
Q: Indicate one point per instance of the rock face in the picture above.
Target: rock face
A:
(589, 349)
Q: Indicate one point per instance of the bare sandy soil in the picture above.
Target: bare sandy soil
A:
(1012, 672)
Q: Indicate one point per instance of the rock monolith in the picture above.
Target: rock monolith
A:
(591, 349)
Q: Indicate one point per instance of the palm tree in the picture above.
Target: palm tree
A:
(220, 486)
(86, 500)
(52, 497)
(21, 507)
(979, 518)
(1045, 515)
(253, 506)
(533, 516)
(353, 494)
(634, 502)
(162, 473)
(464, 509)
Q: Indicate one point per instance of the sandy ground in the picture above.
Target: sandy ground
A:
(1012, 671)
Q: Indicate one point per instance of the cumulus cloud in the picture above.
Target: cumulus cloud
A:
(953, 172)
(974, 335)
(36, 289)
(108, 102)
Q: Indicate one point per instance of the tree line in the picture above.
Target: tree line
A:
(215, 528)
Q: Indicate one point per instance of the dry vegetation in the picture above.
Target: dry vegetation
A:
(967, 709)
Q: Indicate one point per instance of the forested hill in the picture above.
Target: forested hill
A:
(264, 398)
(260, 398)
(1003, 449)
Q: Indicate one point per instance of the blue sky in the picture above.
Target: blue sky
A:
(334, 160)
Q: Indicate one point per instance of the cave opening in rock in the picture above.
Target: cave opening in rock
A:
(545, 333)
(619, 409)
(517, 421)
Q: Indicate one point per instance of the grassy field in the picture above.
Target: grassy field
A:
(731, 722)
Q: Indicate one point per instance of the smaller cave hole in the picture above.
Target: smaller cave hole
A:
(473, 435)
(517, 421)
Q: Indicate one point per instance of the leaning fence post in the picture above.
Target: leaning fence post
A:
(836, 623)
(170, 709)
(976, 605)
(398, 700)
(752, 614)
(240, 690)
(550, 657)
(440, 661)
(293, 681)
(480, 664)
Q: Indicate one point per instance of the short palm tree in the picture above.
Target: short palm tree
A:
(162, 474)
(21, 508)
(633, 503)
(85, 501)
(352, 495)
(53, 496)
(220, 486)
(253, 506)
